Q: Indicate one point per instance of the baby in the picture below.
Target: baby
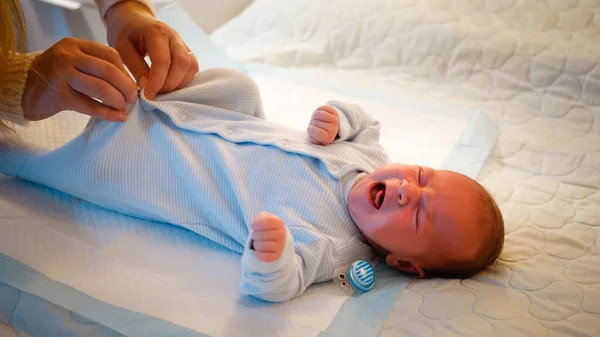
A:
(295, 204)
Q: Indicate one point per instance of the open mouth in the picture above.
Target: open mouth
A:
(377, 194)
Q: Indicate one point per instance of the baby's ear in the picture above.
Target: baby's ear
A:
(405, 266)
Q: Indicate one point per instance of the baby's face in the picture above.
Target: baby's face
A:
(415, 214)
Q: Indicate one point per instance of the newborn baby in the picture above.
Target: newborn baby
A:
(295, 204)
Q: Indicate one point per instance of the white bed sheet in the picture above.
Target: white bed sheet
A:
(530, 65)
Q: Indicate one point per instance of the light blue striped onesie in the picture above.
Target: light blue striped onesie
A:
(204, 158)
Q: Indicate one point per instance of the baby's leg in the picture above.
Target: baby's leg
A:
(227, 89)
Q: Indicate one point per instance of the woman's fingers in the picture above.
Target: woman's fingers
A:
(180, 63)
(103, 52)
(109, 74)
(98, 88)
(91, 107)
(192, 70)
(80, 75)
(133, 59)
(159, 52)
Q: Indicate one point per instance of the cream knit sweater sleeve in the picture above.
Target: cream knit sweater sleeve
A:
(105, 5)
(11, 90)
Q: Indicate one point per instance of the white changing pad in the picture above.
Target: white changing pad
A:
(134, 276)
(533, 67)
(24, 314)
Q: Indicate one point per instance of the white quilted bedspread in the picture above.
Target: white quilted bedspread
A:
(532, 65)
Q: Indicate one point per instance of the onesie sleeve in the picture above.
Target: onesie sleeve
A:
(355, 124)
(300, 265)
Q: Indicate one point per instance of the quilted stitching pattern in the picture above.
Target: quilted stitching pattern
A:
(533, 67)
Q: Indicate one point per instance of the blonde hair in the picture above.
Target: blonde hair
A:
(12, 40)
(12, 31)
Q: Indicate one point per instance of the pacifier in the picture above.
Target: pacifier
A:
(355, 279)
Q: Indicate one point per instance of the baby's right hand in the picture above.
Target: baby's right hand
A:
(324, 125)
(268, 237)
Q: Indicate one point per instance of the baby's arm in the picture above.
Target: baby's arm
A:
(271, 269)
(337, 122)
(216, 91)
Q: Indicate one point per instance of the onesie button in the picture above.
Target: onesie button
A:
(230, 132)
(285, 142)
(335, 168)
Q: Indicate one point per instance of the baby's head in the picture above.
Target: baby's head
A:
(428, 222)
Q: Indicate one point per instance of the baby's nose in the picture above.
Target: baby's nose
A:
(406, 192)
(403, 193)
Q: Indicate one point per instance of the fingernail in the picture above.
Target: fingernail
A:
(142, 82)
(132, 98)
(122, 117)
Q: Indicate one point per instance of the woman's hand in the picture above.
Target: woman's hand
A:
(135, 33)
(74, 74)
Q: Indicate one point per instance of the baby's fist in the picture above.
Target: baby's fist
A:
(324, 125)
(268, 237)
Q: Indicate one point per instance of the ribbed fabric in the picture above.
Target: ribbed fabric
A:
(105, 5)
(13, 85)
(204, 158)
(14, 154)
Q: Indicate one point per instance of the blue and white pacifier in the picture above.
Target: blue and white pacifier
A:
(355, 279)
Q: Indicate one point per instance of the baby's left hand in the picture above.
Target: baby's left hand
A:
(324, 125)
(268, 237)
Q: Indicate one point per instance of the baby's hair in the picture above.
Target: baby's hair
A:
(487, 214)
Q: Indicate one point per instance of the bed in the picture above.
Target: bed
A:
(516, 87)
